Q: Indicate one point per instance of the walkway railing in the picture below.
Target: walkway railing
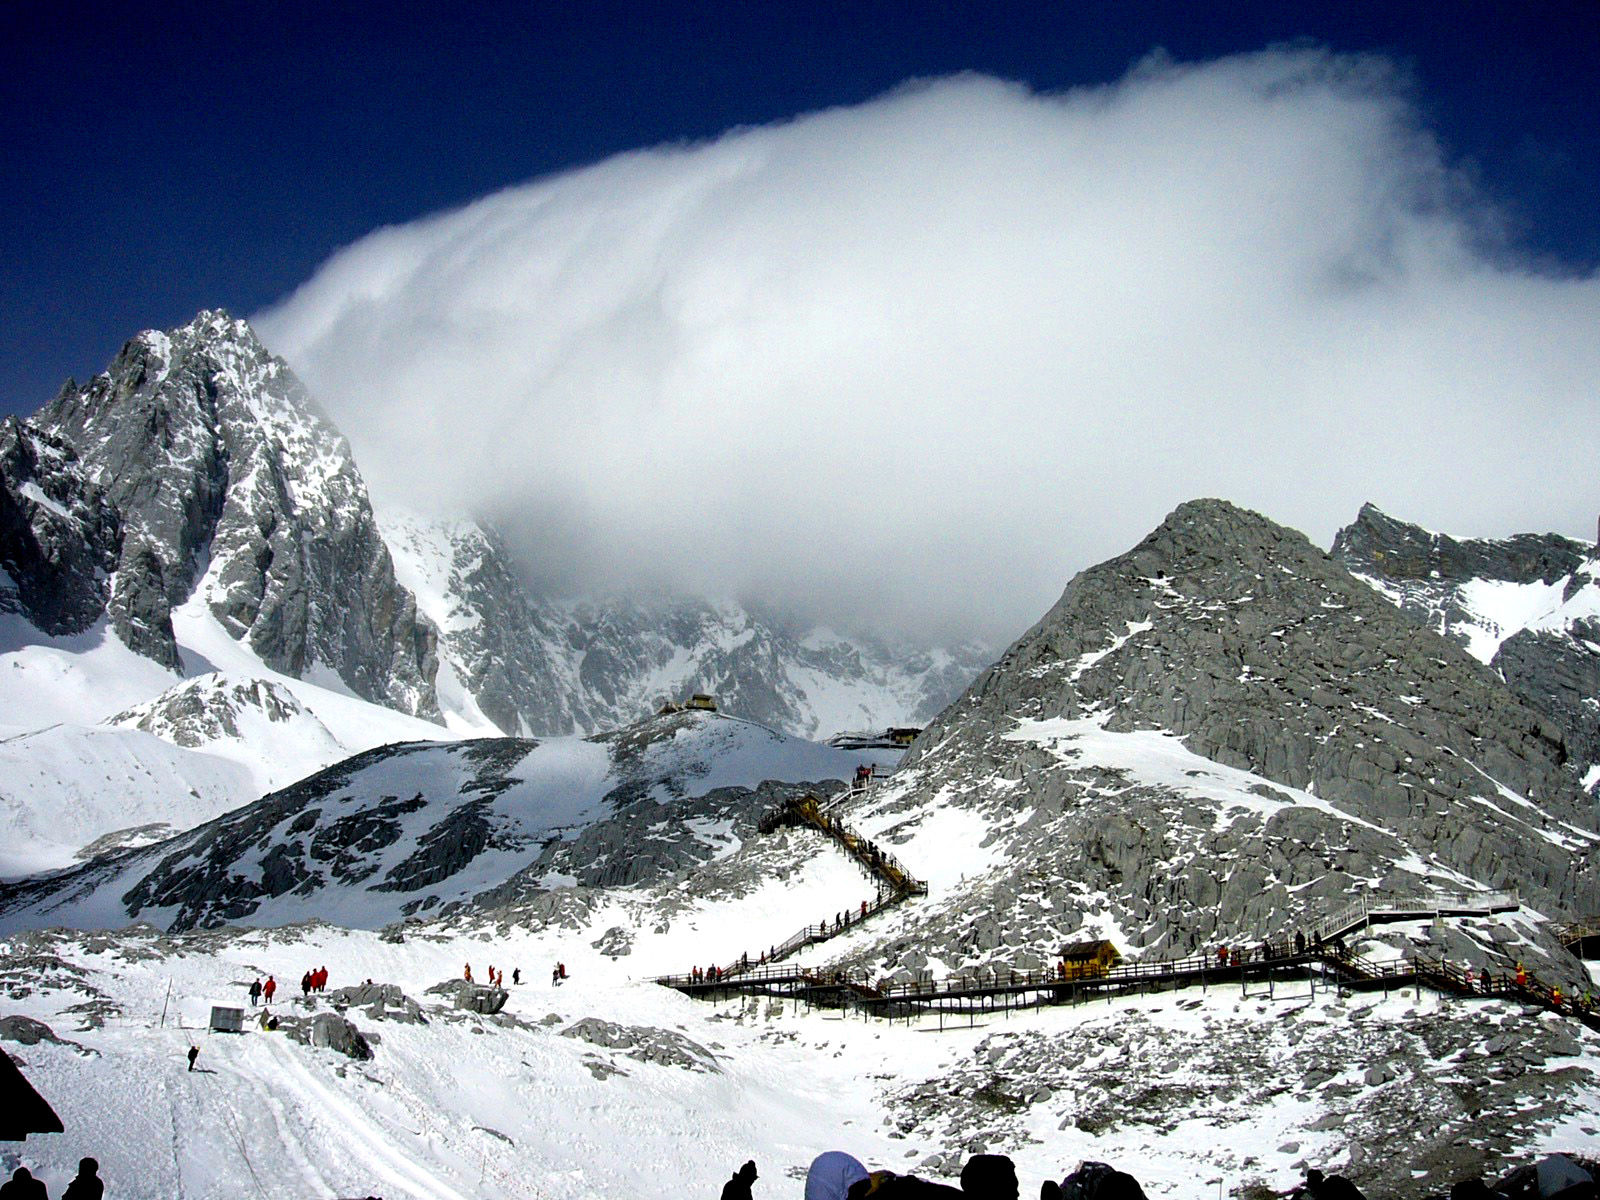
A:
(1320, 944)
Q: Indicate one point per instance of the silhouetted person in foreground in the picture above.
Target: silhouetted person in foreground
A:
(194, 1053)
(989, 1177)
(738, 1187)
(87, 1184)
(23, 1186)
(1329, 1187)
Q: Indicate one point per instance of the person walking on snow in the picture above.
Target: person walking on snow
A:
(194, 1053)
(305, 984)
(466, 972)
(738, 1187)
(255, 992)
(267, 988)
(87, 1185)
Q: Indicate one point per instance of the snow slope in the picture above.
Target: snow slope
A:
(1194, 1092)
(58, 694)
(410, 828)
(64, 788)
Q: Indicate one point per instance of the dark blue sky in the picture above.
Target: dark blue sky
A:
(159, 159)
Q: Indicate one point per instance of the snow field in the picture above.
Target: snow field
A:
(467, 1108)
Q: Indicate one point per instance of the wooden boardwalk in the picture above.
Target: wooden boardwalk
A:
(1316, 953)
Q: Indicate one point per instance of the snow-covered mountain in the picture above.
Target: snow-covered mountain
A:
(1222, 735)
(187, 548)
(232, 488)
(1528, 606)
(541, 665)
(406, 829)
(1213, 738)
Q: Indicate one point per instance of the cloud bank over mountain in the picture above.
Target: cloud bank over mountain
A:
(915, 362)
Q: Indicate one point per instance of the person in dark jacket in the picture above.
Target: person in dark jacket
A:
(910, 1187)
(87, 1184)
(255, 992)
(23, 1186)
(194, 1053)
(1329, 1187)
(989, 1177)
(738, 1187)
(1094, 1181)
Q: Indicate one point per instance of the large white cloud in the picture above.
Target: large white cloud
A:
(914, 363)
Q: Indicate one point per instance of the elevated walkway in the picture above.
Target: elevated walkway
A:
(895, 885)
(1581, 937)
(1317, 951)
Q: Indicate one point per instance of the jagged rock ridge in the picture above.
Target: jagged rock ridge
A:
(226, 479)
(1529, 606)
(1215, 736)
(59, 538)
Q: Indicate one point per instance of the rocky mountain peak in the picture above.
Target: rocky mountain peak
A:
(233, 488)
(1380, 545)
(1528, 606)
(1222, 729)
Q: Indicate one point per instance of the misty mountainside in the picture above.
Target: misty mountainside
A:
(541, 666)
(1528, 606)
(427, 827)
(195, 483)
(1221, 736)
(187, 548)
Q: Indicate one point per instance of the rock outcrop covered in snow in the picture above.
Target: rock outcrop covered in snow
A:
(1529, 606)
(429, 827)
(225, 477)
(542, 665)
(1222, 734)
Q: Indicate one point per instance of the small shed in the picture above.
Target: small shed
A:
(903, 735)
(1088, 960)
(702, 702)
(22, 1110)
(227, 1020)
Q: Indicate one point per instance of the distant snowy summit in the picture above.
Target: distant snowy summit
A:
(196, 471)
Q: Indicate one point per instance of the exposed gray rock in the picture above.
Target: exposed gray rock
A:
(26, 1031)
(217, 461)
(1554, 668)
(59, 535)
(1376, 758)
(615, 942)
(336, 1033)
(1132, 1072)
(381, 1001)
(644, 1043)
